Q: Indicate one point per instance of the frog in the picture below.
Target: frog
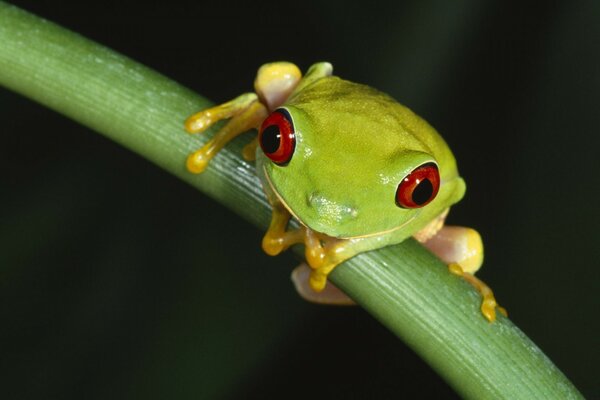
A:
(346, 169)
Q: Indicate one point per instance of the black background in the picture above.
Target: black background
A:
(100, 295)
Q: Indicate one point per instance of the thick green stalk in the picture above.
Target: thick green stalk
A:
(403, 286)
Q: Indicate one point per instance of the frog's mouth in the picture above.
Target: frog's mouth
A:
(288, 209)
(379, 233)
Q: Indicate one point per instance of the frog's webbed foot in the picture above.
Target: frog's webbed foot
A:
(488, 302)
(274, 83)
(462, 249)
(278, 238)
(329, 295)
(323, 253)
(245, 112)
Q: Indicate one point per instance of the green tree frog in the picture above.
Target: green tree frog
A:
(355, 168)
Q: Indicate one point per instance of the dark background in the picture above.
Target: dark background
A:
(100, 293)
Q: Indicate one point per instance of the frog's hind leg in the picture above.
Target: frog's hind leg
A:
(275, 82)
(462, 249)
(488, 302)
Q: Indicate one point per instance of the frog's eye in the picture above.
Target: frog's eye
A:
(419, 187)
(276, 137)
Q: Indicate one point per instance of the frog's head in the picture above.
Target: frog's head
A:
(349, 161)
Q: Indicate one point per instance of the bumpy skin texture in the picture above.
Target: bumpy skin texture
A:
(354, 145)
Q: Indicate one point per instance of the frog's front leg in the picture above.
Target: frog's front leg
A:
(273, 85)
(330, 295)
(335, 251)
(246, 112)
(319, 253)
(310, 279)
(323, 254)
(278, 238)
(462, 249)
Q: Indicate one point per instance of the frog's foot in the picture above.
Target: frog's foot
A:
(249, 150)
(245, 112)
(278, 238)
(488, 303)
(456, 244)
(323, 253)
(332, 252)
(462, 249)
(204, 119)
(329, 295)
(274, 83)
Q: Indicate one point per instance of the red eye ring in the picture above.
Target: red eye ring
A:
(419, 187)
(277, 138)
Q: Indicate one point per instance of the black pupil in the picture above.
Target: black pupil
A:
(271, 137)
(422, 192)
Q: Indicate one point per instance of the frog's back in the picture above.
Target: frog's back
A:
(367, 118)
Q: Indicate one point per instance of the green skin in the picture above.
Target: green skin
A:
(354, 145)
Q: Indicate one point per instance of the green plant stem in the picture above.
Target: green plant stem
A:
(403, 286)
